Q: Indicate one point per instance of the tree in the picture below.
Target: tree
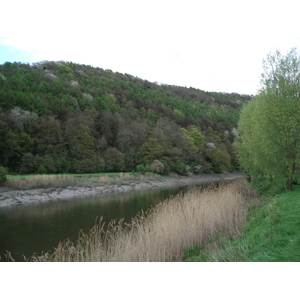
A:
(48, 136)
(150, 151)
(178, 116)
(269, 125)
(114, 160)
(63, 117)
(79, 140)
(16, 145)
(220, 160)
(22, 119)
(197, 136)
(3, 173)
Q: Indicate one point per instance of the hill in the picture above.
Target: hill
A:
(60, 117)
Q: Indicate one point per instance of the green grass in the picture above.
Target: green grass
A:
(272, 234)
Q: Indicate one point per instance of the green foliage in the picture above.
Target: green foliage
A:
(269, 125)
(19, 142)
(3, 173)
(179, 167)
(66, 117)
(114, 160)
(179, 116)
(47, 165)
(196, 136)
(220, 160)
(150, 151)
(141, 169)
(30, 164)
(272, 234)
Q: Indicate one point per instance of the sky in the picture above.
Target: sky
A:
(212, 45)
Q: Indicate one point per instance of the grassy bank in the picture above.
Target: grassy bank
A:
(272, 234)
(63, 180)
(162, 233)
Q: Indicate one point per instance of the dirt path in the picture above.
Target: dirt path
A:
(19, 197)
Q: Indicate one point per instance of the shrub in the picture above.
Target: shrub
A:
(3, 173)
(179, 167)
(157, 167)
(197, 168)
(141, 169)
(41, 170)
(221, 161)
(167, 168)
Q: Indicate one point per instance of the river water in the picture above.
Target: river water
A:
(33, 228)
(38, 227)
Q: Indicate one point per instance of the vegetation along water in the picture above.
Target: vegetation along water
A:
(272, 234)
(61, 117)
(159, 234)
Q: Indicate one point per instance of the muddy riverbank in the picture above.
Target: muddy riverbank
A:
(20, 197)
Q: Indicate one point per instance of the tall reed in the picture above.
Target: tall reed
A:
(162, 233)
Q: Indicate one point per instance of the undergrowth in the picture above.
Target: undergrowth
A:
(272, 234)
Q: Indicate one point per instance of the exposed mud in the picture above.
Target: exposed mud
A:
(20, 197)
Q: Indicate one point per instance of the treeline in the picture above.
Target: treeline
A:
(60, 117)
(269, 125)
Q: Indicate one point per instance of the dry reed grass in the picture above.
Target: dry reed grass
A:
(112, 178)
(41, 180)
(33, 181)
(161, 234)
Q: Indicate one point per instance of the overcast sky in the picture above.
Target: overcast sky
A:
(211, 45)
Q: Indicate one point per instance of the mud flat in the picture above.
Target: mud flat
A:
(20, 197)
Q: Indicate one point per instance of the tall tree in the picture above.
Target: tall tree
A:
(269, 126)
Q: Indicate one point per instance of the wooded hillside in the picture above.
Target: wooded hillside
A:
(60, 117)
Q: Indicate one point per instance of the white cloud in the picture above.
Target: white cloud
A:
(212, 45)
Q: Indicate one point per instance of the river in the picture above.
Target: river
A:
(37, 227)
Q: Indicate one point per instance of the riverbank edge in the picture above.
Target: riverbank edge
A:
(271, 234)
(21, 197)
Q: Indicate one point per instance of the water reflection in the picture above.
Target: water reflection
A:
(34, 228)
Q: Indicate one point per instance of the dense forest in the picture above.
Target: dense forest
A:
(62, 117)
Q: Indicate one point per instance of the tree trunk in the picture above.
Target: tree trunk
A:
(290, 176)
(271, 178)
(289, 185)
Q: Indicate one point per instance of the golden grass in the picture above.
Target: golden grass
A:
(29, 181)
(121, 177)
(36, 181)
(161, 234)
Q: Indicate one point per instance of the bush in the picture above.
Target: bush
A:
(141, 169)
(167, 168)
(221, 161)
(197, 168)
(41, 170)
(157, 167)
(3, 173)
(179, 167)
